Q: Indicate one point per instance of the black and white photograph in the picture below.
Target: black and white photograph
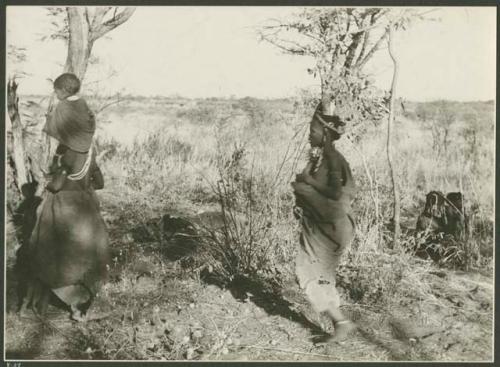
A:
(249, 183)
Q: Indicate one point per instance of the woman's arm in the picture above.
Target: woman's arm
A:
(333, 190)
(305, 172)
(58, 180)
(96, 178)
(58, 170)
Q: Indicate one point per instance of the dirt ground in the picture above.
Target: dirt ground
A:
(153, 309)
(167, 317)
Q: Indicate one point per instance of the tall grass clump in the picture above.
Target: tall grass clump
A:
(255, 239)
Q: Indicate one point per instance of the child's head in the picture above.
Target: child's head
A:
(66, 85)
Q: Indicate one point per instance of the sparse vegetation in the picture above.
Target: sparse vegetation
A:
(237, 158)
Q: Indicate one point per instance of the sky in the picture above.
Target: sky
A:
(215, 52)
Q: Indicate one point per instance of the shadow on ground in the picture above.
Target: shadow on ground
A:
(269, 300)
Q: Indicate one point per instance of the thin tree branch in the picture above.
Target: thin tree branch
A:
(99, 15)
(118, 19)
(348, 21)
(313, 37)
(351, 50)
(367, 28)
(87, 18)
(109, 104)
(288, 49)
(380, 14)
(372, 50)
(366, 39)
(102, 154)
(390, 122)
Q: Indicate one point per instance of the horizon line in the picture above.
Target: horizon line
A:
(158, 96)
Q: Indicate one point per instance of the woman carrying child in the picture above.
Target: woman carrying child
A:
(68, 251)
(323, 192)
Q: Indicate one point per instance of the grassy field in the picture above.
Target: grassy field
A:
(233, 296)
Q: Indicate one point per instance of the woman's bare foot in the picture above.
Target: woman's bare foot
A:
(343, 329)
(77, 315)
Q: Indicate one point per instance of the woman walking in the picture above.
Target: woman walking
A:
(323, 192)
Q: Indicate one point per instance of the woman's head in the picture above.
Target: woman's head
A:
(66, 85)
(317, 127)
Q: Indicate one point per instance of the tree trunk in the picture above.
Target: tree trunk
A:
(326, 101)
(79, 43)
(390, 122)
(83, 32)
(18, 155)
(325, 74)
(77, 58)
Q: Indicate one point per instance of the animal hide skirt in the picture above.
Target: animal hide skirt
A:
(69, 244)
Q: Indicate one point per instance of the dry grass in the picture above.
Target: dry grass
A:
(238, 157)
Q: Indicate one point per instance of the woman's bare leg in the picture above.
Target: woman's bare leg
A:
(343, 326)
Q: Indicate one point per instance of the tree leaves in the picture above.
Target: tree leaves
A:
(342, 41)
(59, 24)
